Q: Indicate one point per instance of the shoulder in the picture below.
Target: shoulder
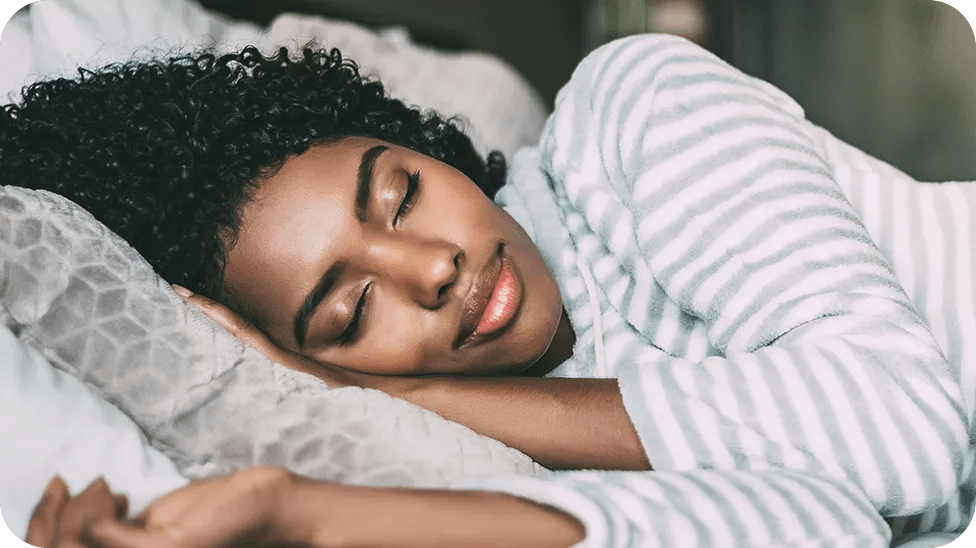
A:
(646, 65)
(644, 53)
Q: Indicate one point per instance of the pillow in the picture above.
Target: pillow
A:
(95, 309)
(498, 107)
(51, 424)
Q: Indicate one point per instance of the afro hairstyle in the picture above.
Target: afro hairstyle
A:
(166, 152)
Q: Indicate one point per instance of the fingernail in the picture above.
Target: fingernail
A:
(182, 291)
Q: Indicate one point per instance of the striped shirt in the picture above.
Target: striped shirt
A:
(781, 380)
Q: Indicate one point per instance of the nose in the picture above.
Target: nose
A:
(424, 269)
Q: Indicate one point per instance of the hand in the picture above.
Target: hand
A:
(243, 509)
(247, 333)
(63, 521)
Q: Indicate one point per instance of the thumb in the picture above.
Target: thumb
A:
(109, 533)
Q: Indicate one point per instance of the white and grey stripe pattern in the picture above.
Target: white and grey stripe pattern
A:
(749, 315)
(741, 509)
(926, 231)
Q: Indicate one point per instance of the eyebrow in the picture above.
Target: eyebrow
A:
(364, 181)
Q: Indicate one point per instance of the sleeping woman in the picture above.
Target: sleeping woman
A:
(671, 280)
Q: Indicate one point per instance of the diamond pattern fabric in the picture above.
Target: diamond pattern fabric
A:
(76, 291)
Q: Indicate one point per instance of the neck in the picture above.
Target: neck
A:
(559, 351)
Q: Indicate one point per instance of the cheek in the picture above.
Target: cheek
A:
(382, 354)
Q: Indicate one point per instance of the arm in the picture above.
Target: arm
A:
(560, 423)
(572, 423)
(365, 517)
(706, 187)
(271, 507)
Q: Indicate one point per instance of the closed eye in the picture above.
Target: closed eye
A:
(413, 183)
(351, 332)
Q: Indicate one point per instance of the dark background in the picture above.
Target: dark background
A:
(896, 78)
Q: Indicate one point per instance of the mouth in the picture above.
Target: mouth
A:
(493, 302)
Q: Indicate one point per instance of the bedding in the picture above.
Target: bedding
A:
(85, 299)
(90, 304)
(499, 108)
(47, 415)
(96, 310)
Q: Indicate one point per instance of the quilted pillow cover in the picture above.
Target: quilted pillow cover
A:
(79, 293)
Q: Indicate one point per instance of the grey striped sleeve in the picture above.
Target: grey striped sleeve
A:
(704, 509)
(925, 231)
(680, 165)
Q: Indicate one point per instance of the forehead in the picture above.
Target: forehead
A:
(292, 221)
(303, 201)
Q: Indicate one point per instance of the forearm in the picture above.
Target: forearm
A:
(560, 423)
(423, 518)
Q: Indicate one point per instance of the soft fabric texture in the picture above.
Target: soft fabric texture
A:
(499, 108)
(51, 423)
(94, 308)
(76, 291)
(710, 261)
(84, 297)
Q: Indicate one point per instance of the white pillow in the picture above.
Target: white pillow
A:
(205, 401)
(500, 109)
(51, 423)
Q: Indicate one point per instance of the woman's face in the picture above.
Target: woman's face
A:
(374, 258)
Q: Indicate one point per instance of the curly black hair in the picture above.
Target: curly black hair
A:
(166, 152)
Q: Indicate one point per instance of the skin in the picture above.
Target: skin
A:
(64, 521)
(271, 507)
(422, 268)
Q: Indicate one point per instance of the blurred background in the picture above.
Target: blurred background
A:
(896, 78)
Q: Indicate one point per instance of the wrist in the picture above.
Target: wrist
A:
(321, 514)
(292, 521)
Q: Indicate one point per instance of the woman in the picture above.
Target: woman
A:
(675, 255)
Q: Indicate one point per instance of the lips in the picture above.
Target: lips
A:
(504, 302)
(493, 302)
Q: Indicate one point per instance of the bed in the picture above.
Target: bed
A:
(107, 372)
(94, 309)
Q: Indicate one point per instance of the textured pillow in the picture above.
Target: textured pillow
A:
(499, 108)
(94, 307)
(50, 423)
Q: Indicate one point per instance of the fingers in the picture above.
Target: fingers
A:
(227, 318)
(43, 528)
(60, 519)
(253, 337)
(238, 327)
(94, 504)
(215, 311)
